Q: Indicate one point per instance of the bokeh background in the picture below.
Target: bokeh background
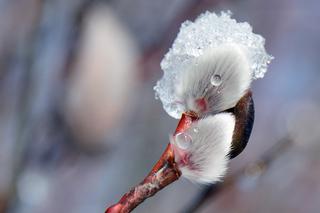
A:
(79, 124)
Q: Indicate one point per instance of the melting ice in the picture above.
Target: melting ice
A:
(209, 30)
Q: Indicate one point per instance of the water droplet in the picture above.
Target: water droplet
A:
(183, 140)
(196, 129)
(215, 80)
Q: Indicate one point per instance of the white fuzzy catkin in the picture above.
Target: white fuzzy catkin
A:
(229, 65)
(209, 149)
(208, 31)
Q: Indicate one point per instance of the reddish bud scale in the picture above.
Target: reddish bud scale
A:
(202, 104)
(186, 121)
(164, 172)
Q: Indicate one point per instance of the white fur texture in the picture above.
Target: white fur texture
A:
(231, 64)
(211, 143)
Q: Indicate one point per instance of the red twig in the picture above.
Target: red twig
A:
(162, 174)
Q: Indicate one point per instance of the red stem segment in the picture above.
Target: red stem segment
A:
(164, 172)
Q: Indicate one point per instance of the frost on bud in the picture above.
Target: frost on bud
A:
(209, 140)
(203, 43)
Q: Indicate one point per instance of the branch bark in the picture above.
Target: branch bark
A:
(162, 174)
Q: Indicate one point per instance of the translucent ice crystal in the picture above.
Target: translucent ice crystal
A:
(209, 30)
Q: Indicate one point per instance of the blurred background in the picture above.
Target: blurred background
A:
(79, 124)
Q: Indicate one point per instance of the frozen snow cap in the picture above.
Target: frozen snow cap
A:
(208, 31)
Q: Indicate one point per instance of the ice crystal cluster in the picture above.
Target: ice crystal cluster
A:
(209, 30)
